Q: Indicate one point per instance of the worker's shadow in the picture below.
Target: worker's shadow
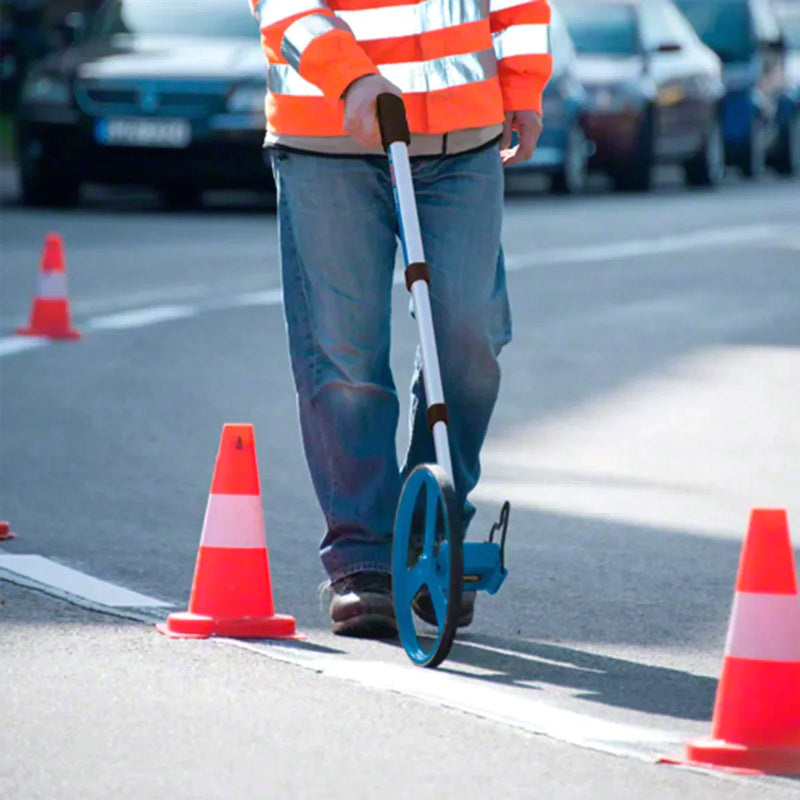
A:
(597, 678)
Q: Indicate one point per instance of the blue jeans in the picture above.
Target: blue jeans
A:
(338, 238)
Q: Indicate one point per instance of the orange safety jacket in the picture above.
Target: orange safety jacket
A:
(459, 63)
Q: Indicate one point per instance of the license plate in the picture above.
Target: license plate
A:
(133, 132)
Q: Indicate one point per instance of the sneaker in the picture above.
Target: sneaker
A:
(361, 605)
(423, 607)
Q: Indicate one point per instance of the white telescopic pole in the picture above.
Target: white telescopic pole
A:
(411, 238)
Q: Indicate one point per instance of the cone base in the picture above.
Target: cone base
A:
(726, 755)
(185, 625)
(5, 532)
(69, 333)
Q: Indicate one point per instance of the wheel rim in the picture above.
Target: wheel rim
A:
(435, 563)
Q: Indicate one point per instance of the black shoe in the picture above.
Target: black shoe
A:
(423, 607)
(361, 605)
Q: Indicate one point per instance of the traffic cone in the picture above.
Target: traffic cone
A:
(232, 589)
(50, 310)
(5, 532)
(756, 721)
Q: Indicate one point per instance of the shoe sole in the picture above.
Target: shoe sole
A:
(463, 621)
(366, 626)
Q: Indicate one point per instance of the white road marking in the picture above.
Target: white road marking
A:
(483, 700)
(439, 688)
(584, 254)
(676, 243)
(9, 345)
(69, 582)
(141, 318)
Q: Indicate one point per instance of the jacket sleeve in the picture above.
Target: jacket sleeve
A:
(520, 34)
(309, 37)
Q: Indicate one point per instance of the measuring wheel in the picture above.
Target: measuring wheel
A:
(427, 556)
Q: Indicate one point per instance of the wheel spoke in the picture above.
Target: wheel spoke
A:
(439, 601)
(416, 577)
(431, 505)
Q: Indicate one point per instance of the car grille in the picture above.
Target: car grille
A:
(191, 99)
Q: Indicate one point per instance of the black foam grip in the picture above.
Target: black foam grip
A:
(392, 120)
(416, 271)
(437, 413)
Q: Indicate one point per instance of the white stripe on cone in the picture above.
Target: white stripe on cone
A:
(52, 285)
(765, 627)
(233, 521)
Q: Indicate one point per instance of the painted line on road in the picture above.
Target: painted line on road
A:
(68, 583)
(442, 689)
(140, 318)
(584, 254)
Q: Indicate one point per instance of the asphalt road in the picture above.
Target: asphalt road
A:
(649, 403)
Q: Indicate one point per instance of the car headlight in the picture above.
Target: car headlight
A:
(47, 90)
(247, 99)
(613, 98)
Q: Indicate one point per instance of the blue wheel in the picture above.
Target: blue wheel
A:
(427, 555)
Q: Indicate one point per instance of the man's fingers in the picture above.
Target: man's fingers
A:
(506, 137)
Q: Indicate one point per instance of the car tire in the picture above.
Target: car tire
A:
(787, 158)
(707, 168)
(572, 174)
(42, 189)
(637, 174)
(181, 197)
(754, 159)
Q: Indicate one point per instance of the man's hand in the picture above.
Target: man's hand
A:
(528, 125)
(360, 108)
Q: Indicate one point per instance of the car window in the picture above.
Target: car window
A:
(790, 24)
(601, 29)
(173, 18)
(765, 22)
(724, 25)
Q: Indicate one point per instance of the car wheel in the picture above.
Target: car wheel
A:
(571, 176)
(754, 163)
(707, 168)
(43, 188)
(637, 174)
(181, 197)
(787, 161)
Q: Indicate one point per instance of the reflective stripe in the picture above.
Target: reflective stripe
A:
(52, 284)
(522, 40)
(411, 77)
(303, 31)
(270, 12)
(502, 5)
(764, 627)
(411, 20)
(233, 521)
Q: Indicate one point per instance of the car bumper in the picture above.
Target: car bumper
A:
(615, 136)
(216, 157)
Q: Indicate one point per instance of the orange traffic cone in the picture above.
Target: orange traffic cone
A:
(5, 532)
(232, 589)
(50, 310)
(756, 722)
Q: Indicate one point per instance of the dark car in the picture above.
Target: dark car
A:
(169, 95)
(747, 37)
(654, 90)
(562, 152)
(786, 157)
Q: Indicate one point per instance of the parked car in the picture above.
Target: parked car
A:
(169, 95)
(747, 37)
(562, 152)
(654, 90)
(786, 157)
